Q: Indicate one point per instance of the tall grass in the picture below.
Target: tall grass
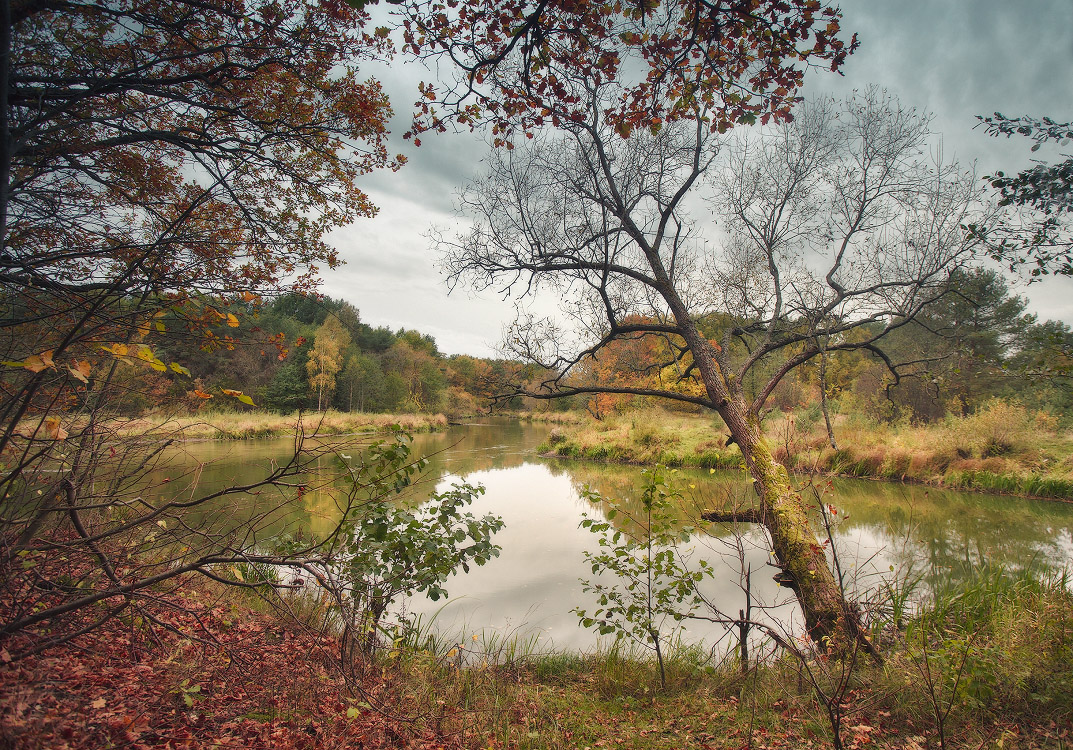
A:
(996, 644)
(247, 425)
(1002, 447)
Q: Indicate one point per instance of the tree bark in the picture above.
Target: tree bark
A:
(782, 510)
(823, 400)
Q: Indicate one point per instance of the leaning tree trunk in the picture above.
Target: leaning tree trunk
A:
(782, 512)
(780, 508)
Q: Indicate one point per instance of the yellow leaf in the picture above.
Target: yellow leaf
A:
(39, 362)
(238, 573)
(232, 321)
(120, 350)
(33, 363)
(239, 395)
(81, 370)
(54, 429)
(175, 366)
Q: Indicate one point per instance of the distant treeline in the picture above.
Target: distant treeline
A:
(310, 353)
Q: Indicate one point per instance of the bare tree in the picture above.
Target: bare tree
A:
(836, 229)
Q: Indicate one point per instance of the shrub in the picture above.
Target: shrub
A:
(389, 551)
(997, 428)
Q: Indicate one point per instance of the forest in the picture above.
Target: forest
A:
(734, 296)
(308, 353)
(304, 353)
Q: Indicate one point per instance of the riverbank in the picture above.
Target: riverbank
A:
(243, 425)
(1002, 449)
(991, 663)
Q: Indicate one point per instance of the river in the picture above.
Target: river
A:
(882, 531)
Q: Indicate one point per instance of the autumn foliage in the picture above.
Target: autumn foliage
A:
(520, 65)
(160, 151)
(164, 164)
(129, 687)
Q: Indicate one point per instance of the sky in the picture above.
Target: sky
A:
(954, 58)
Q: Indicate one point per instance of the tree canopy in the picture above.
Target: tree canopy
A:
(163, 164)
(519, 65)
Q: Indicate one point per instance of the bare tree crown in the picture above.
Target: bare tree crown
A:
(781, 242)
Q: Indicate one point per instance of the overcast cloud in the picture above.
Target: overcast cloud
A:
(956, 59)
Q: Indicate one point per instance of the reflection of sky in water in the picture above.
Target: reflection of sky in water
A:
(533, 586)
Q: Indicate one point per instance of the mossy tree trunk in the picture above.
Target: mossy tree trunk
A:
(780, 508)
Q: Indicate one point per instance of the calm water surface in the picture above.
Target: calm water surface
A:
(533, 586)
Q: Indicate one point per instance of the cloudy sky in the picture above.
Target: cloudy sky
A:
(954, 58)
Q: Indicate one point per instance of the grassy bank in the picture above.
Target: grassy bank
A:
(986, 666)
(255, 424)
(554, 417)
(1003, 448)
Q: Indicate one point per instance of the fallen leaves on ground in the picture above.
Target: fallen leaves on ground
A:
(254, 683)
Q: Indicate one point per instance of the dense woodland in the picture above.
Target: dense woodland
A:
(308, 353)
(312, 353)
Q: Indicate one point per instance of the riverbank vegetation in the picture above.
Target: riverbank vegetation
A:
(1003, 447)
(982, 664)
(244, 425)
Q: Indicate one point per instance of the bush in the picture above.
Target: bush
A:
(389, 551)
(997, 428)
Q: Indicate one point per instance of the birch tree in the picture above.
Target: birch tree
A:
(326, 359)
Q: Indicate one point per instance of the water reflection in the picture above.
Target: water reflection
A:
(534, 584)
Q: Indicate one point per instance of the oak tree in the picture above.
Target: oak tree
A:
(521, 65)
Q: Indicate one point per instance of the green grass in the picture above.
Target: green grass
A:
(998, 648)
